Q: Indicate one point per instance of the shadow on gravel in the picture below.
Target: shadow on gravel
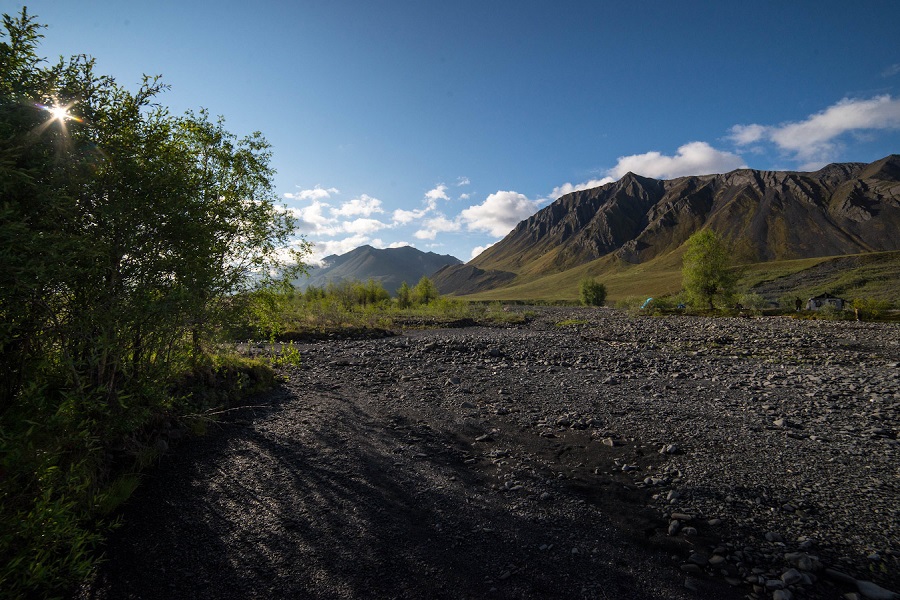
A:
(318, 498)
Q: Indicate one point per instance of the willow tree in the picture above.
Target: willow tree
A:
(707, 271)
(126, 234)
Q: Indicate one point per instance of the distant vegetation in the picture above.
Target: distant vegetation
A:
(356, 305)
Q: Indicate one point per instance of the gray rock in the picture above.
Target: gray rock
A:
(698, 559)
(875, 592)
(674, 526)
(791, 576)
(809, 563)
(840, 576)
(774, 537)
(670, 449)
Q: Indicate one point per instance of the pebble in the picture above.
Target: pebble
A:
(674, 526)
(791, 576)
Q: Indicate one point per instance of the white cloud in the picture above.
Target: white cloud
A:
(317, 193)
(403, 217)
(462, 181)
(438, 193)
(464, 196)
(312, 219)
(747, 134)
(568, 188)
(400, 244)
(478, 250)
(431, 227)
(816, 138)
(321, 249)
(694, 158)
(499, 213)
(363, 206)
(364, 226)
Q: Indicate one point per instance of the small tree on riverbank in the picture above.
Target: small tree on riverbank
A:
(707, 271)
(593, 293)
(425, 291)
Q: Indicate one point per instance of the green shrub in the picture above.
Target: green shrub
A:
(870, 308)
(592, 292)
(425, 291)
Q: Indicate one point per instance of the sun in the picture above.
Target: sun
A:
(60, 113)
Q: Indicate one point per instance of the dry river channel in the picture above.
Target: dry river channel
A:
(584, 454)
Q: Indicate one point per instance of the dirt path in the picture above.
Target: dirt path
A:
(437, 465)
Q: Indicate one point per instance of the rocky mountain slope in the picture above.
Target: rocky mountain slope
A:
(841, 209)
(390, 266)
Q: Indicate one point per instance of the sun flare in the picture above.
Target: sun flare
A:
(60, 113)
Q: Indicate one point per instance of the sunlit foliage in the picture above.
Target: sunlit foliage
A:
(126, 237)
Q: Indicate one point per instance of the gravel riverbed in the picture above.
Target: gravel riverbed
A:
(584, 454)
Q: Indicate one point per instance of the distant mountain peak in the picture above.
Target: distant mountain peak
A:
(390, 266)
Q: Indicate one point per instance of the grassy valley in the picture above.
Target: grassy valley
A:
(873, 275)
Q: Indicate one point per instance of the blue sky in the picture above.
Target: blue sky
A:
(442, 124)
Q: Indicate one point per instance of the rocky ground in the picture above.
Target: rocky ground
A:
(586, 454)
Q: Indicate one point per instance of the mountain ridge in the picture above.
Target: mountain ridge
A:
(389, 266)
(843, 208)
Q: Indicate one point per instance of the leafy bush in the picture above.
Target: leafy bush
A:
(128, 237)
(870, 308)
(753, 301)
(592, 292)
(788, 302)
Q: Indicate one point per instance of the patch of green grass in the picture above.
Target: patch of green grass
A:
(117, 493)
(875, 275)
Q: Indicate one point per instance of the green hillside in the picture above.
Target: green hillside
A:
(873, 275)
